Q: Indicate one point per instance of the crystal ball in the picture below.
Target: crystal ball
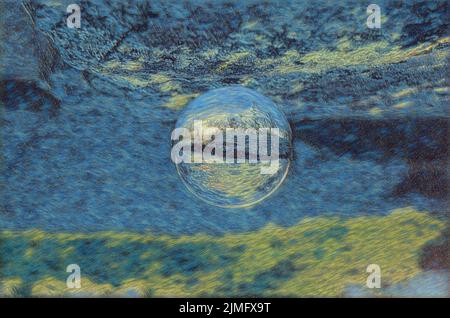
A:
(233, 183)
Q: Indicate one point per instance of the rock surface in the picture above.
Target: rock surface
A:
(95, 107)
(86, 120)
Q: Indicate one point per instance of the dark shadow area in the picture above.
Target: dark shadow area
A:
(422, 142)
(435, 255)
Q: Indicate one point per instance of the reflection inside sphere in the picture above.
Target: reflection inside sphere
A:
(235, 183)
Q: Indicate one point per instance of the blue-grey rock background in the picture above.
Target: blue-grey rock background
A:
(88, 149)
(87, 113)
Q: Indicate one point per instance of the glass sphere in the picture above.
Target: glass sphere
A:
(233, 184)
